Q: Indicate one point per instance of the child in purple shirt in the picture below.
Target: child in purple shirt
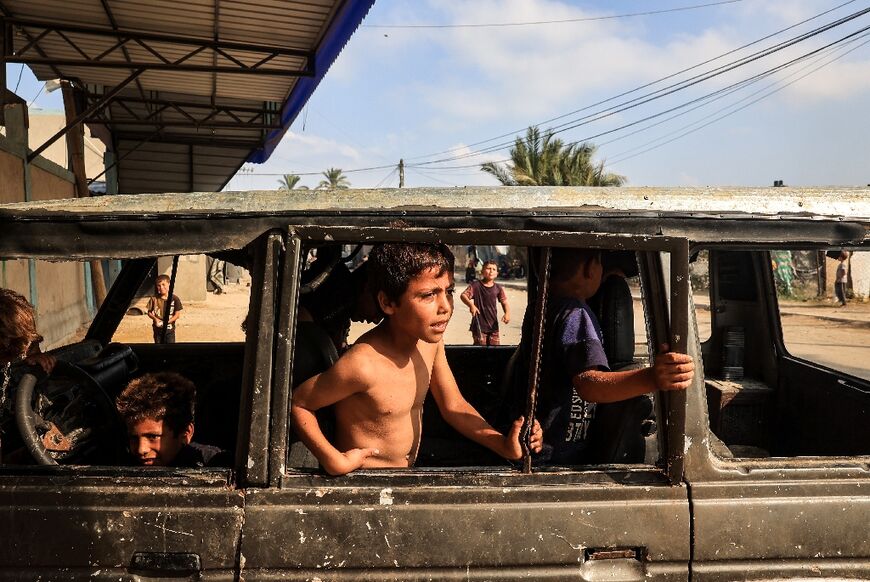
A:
(574, 370)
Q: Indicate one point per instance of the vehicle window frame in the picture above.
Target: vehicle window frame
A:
(677, 293)
(253, 405)
(767, 292)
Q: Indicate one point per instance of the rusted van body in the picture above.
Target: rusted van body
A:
(761, 470)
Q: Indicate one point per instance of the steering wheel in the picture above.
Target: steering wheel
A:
(67, 418)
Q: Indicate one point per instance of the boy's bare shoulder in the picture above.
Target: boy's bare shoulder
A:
(362, 362)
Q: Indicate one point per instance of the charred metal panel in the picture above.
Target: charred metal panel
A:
(475, 523)
(285, 340)
(75, 236)
(182, 223)
(807, 203)
(252, 449)
(796, 526)
(66, 524)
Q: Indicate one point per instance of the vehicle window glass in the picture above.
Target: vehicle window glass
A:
(824, 308)
(213, 296)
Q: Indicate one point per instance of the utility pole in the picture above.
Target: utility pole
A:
(401, 173)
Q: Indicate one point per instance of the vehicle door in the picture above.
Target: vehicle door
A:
(71, 522)
(627, 522)
(779, 482)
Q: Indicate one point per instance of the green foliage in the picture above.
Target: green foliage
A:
(334, 180)
(290, 182)
(543, 160)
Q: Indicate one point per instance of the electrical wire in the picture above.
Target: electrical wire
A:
(648, 97)
(433, 178)
(674, 89)
(821, 58)
(722, 96)
(387, 177)
(644, 86)
(18, 82)
(764, 74)
(540, 22)
(622, 157)
(29, 105)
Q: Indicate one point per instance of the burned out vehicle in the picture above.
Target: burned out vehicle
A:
(760, 470)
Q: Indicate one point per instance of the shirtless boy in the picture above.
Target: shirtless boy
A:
(378, 386)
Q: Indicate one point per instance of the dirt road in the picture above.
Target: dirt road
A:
(838, 338)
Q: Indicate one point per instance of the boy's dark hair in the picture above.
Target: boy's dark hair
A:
(17, 326)
(393, 265)
(165, 396)
(162, 278)
(564, 262)
(489, 262)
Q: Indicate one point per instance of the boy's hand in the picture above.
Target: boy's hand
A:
(349, 461)
(506, 318)
(672, 371)
(513, 449)
(474, 310)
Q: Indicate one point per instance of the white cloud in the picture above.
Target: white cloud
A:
(530, 72)
(836, 81)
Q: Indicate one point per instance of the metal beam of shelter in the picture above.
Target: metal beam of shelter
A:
(181, 93)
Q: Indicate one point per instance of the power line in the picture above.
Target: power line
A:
(641, 87)
(744, 82)
(387, 177)
(37, 96)
(540, 22)
(650, 96)
(425, 175)
(644, 99)
(622, 157)
(369, 169)
(20, 71)
(731, 92)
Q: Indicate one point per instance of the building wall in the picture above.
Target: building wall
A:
(12, 172)
(45, 123)
(59, 291)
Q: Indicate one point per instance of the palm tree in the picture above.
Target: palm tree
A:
(335, 180)
(543, 160)
(290, 181)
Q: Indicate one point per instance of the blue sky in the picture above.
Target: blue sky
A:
(413, 92)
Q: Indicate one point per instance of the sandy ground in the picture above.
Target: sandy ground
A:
(820, 332)
(217, 319)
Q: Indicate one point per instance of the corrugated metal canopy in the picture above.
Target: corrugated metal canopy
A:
(183, 93)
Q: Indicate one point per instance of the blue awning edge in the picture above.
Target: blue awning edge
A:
(346, 21)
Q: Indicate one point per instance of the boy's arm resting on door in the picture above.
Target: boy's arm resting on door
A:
(463, 417)
(344, 378)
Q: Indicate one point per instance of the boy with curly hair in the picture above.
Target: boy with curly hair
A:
(158, 411)
(378, 386)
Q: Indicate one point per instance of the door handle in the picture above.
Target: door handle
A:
(614, 564)
(166, 563)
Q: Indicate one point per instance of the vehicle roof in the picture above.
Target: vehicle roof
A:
(165, 224)
(807, 202)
